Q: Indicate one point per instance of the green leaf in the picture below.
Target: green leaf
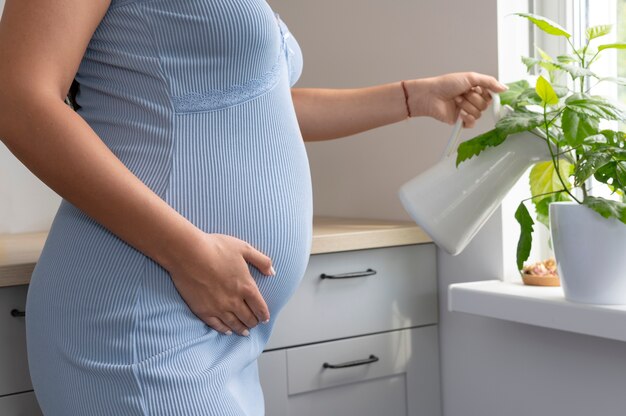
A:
(616, 80)
(546, 25)
(527, 97)
(576, 71)
(530, 62)
(617, 138)
(542, 206)
(543, 54)
(476, 145)
(595, 106)
(546, 92)
(518, 122)
(595, 139)
(612, 46)
(598, 31)
(550, 67)
(567, 59)
(607, 208)
(546, 62)
(526, 234)
(588, 164)
(515, 89)
(577, 126)
(613, 173)
(544, 178)
(530, 96)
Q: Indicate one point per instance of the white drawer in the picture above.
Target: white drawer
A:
(356, 359)
(401, 377)
(404, 381)
(401, 294)
(14, 375)
(23, 404)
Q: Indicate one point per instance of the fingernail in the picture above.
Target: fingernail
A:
(506, 87)
(245, 333)
(229, 332)
(272, 271)
(266, 321)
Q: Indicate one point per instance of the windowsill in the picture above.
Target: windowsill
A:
(540, 306)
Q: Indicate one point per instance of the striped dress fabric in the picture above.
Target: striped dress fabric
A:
(193, 96)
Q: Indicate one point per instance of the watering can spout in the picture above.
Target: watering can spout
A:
(452, 203)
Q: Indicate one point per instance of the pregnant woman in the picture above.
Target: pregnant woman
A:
(185, 224)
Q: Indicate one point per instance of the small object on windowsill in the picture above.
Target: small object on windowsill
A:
(543, 273)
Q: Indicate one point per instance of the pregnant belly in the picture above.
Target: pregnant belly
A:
(244, 172)
(230, 172)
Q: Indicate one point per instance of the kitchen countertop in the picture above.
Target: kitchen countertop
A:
(20, 252)
(332, 234)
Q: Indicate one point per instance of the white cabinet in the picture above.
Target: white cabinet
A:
(363, 344)
(13, 364)
(372, 290)
(22, 404)
(370, 315)
(16, 396)
(393, 374)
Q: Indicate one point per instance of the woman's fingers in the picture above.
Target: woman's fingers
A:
(245, 315)
(233, 322)
(484, 92)
(258, 259)
(217, 324)
(257, 305)
(486, 81)
(217, 285)
(469, 108)
(477, 99)
(468, 119)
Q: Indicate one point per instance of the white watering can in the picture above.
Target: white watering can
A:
(452, 204)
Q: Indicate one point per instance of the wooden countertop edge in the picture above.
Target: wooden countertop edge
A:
(20, 252)
(368, 239)
(16, 275)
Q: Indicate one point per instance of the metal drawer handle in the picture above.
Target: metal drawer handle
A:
(368, 272)
(16, 313)
(371, 359)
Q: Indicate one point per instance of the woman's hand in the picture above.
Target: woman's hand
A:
(215, 282)
(448, 97)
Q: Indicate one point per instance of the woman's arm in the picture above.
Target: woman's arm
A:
(325, 114)
(41, 45)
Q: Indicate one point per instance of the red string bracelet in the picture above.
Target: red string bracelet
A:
(406, 99)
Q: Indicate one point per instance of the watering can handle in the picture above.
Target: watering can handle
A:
(453, 141)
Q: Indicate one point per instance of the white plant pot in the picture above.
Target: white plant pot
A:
(590, 252)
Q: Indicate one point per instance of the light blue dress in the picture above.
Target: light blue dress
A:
(194, 98)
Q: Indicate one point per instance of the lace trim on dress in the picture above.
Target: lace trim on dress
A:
(219, 99)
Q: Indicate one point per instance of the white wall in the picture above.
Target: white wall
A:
(489, 367)
(352, 43)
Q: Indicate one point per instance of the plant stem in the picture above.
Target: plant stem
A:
(544, 194)
(574, 48)
(583, 82)
(567, 151)
(555, 161)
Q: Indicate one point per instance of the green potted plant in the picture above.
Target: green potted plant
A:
(588, 232)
